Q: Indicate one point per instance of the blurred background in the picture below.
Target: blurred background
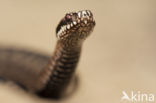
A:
(120, 55)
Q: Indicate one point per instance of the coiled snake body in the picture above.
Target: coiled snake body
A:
(49, 77)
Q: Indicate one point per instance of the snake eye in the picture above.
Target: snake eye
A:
(68, 17)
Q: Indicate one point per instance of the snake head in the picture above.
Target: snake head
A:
(77, 25)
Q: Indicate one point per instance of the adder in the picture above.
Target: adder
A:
(44, 75)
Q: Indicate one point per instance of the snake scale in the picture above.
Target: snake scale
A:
(49, 76)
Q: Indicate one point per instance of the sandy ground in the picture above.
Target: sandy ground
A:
(119, 56)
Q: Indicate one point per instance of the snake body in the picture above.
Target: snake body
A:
(45, 76)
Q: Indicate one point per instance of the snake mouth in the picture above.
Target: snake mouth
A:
(73, 21)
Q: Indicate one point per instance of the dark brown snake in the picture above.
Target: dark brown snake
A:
(45, 76)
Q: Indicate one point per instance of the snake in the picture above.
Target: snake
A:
(49, 76)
